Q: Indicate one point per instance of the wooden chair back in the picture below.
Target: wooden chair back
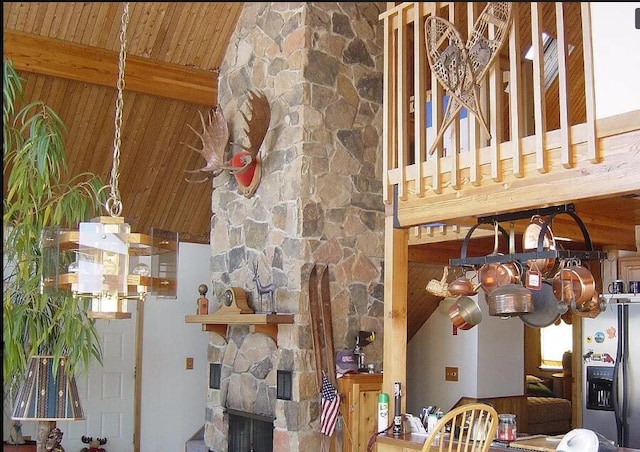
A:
(467, 428)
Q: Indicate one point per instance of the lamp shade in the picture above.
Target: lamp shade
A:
(45, 396)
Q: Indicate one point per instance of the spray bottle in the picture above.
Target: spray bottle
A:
(383, 411)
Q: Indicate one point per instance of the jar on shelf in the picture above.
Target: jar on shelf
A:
(507, 429)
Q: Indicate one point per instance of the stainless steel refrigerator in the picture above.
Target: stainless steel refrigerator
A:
(611, 361)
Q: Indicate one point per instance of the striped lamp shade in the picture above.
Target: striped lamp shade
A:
(45, 396)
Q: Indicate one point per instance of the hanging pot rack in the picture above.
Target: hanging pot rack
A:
(550, 213)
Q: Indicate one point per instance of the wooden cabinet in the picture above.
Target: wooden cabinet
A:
(359, 409)
(629, 269)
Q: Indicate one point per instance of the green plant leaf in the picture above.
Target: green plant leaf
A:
(38, 195)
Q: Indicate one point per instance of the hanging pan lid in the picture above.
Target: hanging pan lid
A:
(545, 308)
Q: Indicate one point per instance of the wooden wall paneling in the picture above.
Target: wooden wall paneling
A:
(421, 303)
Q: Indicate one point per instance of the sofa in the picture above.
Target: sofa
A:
(546, 413)
(537, 412)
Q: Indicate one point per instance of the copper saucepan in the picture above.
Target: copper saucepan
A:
(465, 313)
(574, 284)
(495, 274)
(593, 307)
(530, 239)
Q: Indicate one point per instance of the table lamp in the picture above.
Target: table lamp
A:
(47, 396)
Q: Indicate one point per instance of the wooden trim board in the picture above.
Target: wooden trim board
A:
(536, 443)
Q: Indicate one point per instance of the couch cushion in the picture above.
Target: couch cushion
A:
(539, 389)
(548, 409)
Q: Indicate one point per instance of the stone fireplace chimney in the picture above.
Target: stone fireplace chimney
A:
(320, 200)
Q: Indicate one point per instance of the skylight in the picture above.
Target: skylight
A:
(550, 51)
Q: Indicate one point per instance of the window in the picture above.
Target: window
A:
(554, 341)
(550, 55)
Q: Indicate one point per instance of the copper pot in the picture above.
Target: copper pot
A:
(510, 300)
(494, 275)
(530, 239)
(488, 274)
(465, 313)
(592, 308)
(574, 284)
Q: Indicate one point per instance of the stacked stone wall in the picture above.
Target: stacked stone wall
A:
(319, 200)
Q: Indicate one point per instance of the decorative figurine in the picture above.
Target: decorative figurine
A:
(203, 303)
(263, 290)
(94, 444)
(53, 441)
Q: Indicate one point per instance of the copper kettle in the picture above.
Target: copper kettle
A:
(463, 286)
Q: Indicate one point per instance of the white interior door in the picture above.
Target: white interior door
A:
(107, 391)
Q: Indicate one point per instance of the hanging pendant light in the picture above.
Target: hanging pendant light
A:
(104, 249)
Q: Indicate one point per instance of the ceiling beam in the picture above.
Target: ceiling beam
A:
(48, 56)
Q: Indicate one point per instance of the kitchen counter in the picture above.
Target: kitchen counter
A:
(410, 441)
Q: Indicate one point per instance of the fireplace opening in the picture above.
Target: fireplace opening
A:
(249, 432)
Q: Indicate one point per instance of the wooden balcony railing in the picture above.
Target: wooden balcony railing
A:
(538, 102)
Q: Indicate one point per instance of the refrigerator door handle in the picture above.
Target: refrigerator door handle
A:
(619, 387)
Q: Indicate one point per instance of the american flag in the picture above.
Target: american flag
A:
(330, 407)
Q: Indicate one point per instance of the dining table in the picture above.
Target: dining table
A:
(406, 442)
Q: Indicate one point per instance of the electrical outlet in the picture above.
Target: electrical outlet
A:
(189, 364)
(451, 374)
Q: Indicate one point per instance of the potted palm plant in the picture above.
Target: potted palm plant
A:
(38, 195)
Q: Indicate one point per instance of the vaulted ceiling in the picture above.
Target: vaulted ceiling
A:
(67, 53)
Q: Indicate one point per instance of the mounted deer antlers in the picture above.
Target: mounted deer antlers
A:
(244, 165)
(257, 125)
(214, 140)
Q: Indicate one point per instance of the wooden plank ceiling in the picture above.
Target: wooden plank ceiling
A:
(67, 53)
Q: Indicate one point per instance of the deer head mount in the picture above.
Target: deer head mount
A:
(244, 165)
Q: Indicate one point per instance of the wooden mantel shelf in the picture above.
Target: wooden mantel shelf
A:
(262, 323)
